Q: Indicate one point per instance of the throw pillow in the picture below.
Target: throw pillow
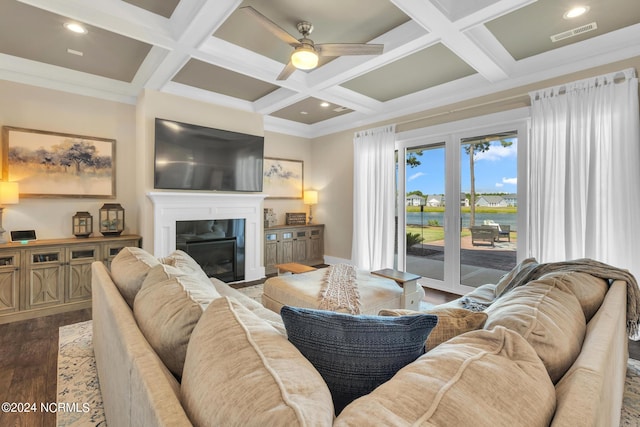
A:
(167, 308)
(240, 371)
(548, 316)
(355, 354)
(451, 322)
(183, 261)
(129, 268)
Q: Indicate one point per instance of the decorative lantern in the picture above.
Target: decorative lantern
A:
(82, 224)
(111, 219)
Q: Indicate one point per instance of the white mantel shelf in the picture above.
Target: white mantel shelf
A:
(169, 207)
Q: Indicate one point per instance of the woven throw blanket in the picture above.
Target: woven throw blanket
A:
(339, 289)
(527, 271)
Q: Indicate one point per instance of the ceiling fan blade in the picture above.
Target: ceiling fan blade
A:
(286, 71)
(271, 26)
(339, 49)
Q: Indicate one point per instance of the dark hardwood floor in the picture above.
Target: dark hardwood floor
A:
(28, 366)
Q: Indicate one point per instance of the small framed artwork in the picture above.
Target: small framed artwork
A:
(283, 178)
(51, 164)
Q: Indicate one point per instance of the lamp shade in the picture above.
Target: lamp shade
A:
(310, 197)
(304, 58)
(9, 193)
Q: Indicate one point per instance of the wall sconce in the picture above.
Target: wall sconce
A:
(310, 198)
(9, 195)
(111, 219)
(82, 224)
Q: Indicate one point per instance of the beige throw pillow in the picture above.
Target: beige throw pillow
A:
(240, 371)
(451, 322)
(167, 308)
(589, 290)
(129, 268)
(183, 261)
(483, 378)
(548, 316)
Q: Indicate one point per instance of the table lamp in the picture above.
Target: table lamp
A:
(9, 195)
(310, 198)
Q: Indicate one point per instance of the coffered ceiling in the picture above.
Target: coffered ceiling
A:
(436, 52)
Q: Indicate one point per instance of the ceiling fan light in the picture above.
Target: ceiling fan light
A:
(304, 58)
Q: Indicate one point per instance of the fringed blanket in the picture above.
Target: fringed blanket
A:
(339, 290)
(529, 270)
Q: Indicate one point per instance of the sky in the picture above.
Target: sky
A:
(495, 171)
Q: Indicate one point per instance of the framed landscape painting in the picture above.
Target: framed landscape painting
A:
(51, 164)
(282, 178)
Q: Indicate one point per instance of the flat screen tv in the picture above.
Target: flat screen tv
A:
(191, 157)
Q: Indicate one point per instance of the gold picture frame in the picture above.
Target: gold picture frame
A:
(53, 164)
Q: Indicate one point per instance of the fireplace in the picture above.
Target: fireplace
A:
(171, 207)
(217, 245)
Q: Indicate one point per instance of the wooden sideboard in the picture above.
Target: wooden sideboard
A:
(46, 277)
(303, 244)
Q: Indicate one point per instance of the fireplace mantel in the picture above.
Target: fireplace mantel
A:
(169, 207)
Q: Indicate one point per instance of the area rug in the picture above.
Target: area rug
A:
(78, 381)
(78, 387)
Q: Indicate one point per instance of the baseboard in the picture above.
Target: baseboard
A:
(335, 260)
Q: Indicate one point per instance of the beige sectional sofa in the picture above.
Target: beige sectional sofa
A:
(174, 348)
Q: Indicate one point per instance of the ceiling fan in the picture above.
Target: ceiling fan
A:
(306, 52)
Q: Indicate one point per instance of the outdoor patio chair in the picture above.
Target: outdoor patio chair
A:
(484, 233)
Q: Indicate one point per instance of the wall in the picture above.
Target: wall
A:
(44, 109)
(293, 148)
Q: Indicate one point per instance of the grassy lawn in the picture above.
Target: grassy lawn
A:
(479, 209)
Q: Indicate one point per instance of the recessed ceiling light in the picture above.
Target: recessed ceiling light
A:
(303, 112)
(325, 104)
(75, 27)
(574, 12)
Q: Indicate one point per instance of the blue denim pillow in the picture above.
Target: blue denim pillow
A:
(355, 354)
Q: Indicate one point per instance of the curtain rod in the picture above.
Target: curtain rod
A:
(470, 107)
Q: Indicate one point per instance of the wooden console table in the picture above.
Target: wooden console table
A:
(44, 277)
(408, 282)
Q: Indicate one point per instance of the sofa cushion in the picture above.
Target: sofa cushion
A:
(355, 354)
(548, 316)
(451, 322)
(183, 261)
(589, 290)
(240, 371)
(129, 268)
(481, 378)
(167, 308)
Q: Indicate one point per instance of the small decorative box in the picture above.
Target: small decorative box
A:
(296, 218)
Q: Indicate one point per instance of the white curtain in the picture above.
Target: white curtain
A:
(374, 198)
(584, 169)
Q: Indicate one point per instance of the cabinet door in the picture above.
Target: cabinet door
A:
(316, 245)
(9, 267)
(286, 247)
(79, 272)
(300, 246)
(45, 278)
(270, 251)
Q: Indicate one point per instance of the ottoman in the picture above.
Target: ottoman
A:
(303, 290)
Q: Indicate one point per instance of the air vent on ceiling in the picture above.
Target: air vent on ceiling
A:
(576, 31)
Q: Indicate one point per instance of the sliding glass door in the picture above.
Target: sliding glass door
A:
(458, 204)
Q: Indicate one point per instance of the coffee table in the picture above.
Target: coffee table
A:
(293, 268)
